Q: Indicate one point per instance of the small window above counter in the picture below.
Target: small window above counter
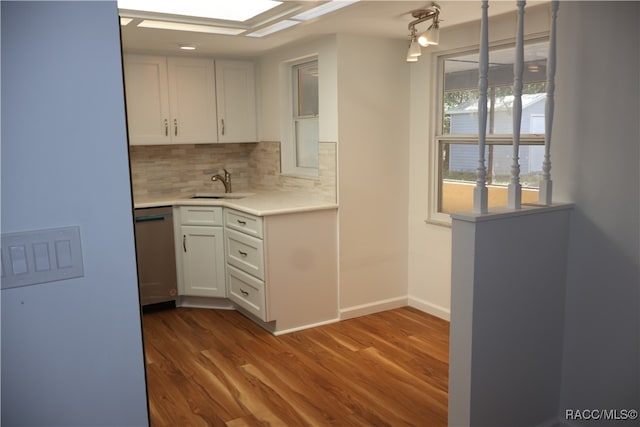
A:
(173, 100)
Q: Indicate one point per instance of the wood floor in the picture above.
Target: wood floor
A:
(217, 368)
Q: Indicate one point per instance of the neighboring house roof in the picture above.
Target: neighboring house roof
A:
(503, 103)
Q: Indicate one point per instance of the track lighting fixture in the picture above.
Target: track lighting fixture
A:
(430, 37)
(414, 47)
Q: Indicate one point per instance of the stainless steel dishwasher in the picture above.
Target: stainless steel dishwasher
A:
(155, 254)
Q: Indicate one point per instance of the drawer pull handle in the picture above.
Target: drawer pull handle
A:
(184, 242)
(241, 222)
(242, 253)
(243, 292)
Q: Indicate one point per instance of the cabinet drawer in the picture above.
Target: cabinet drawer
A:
(247, 292)
(201, 215)
(246, 223)
(245, 252)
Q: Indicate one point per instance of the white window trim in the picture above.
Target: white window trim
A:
(437, 83)
(287, 129)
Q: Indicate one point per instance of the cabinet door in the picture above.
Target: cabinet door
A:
(192, 100)
(236, 101)
(203, 261)
(147, 99)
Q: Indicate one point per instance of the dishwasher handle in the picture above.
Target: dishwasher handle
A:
(160, 217)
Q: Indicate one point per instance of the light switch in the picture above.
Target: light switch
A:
(63, 254)
(41, 256)
(18, 259)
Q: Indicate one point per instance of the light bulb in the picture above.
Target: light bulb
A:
(414, 49)
(431, 36)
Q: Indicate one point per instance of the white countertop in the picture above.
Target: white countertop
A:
(259, 203)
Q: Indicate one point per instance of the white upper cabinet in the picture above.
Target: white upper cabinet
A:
(170, 100)
(192, 100)
(236, 101)
(173, 100)
(147, 96)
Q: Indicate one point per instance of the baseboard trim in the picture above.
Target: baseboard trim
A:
(303, 327)
(204, 302)
(433, 309)
(371, 308)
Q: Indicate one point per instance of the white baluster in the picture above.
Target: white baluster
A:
(545, 196)
(480, 190)
(514, 200)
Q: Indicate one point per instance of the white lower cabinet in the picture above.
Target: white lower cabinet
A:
(245, 262)
(246, 291)
(200, 251)
(245, 253)
(279, 269)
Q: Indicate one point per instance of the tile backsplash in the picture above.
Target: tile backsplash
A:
(186, 169)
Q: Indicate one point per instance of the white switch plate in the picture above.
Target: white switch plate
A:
(41, 256)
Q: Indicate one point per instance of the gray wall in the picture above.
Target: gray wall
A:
(71, 349)
(507, 307)
(596, 164)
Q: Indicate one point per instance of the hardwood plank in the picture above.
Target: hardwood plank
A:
(217, 368)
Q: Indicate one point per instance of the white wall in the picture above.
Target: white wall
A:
(71, 349)
(373, 173)
(364, 104)
(429, 244)
(595, 156)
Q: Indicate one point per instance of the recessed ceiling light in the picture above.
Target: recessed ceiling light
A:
(125, 21)
(188, 46)
(229, 10)
(278, 26)
(177, 26)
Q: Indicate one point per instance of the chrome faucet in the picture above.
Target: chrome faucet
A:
(225, 180)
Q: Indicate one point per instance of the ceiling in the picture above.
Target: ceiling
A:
(367, 17)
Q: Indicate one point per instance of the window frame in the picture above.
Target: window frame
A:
(437, 137)
(289, 150)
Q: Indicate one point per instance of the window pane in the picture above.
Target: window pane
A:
(307, 89)
(458, 163)
(460, 101)
(306, 143)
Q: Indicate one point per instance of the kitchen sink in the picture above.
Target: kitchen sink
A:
(221, 195)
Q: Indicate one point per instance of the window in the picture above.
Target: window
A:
(455, 149)
(300, 149)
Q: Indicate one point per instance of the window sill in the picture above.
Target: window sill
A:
(300, 176)
(440, 219)
(439, 222)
